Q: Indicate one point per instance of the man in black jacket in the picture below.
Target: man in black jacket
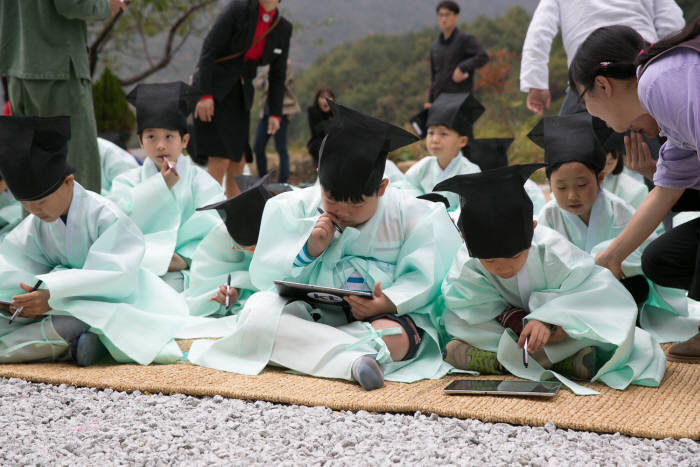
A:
(247, 34)
(454, 56)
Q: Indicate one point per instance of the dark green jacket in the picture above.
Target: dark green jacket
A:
(40, 39)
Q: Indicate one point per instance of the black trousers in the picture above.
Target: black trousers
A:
(673, 259)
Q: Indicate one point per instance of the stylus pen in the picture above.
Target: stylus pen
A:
(525, 353)
(228, 289)
(19, 310)
(170, 166)
(337, 227)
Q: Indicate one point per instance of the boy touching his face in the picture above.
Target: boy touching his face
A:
(162, 195)
(352, 232)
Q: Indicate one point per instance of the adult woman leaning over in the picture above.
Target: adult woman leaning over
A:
(651, 90)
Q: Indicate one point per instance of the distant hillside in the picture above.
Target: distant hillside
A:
(321, 25)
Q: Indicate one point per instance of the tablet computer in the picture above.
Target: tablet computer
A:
(503, 388)
(315, 293)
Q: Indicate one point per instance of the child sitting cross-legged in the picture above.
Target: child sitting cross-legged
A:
(591, 217)
(162, 195)
(72, 268)
(351, 232)
(515, 282)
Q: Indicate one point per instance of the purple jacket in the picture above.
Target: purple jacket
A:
(669, 89)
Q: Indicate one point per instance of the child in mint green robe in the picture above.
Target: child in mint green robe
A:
(114, 161)
(161, 196)
(445, 126)
(578, 320)
(398, 249)
(10, 211)
(87, 255)
(220, 263)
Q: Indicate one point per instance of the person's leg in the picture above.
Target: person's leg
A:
(569, 105)
(73, 97)
(673, 259)
(234, 169)
(217, 167)
(259, 145)
(398, 344)
(281, 147)
(32, 341)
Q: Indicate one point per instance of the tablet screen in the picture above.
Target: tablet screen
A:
(525, 388)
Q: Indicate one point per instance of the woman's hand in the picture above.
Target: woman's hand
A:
(637, 155)
(608, 261)
(204, 110)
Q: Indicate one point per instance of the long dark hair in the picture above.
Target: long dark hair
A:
(690, 31)
(322, 90)
(616, 51)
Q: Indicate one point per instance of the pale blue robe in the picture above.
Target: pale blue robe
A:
(559, 284)
(10, 213)
(626, 187)
(91, 266)
(166, 217)
(665, 313)
(114, 161)
(422, 177)
(408, 245)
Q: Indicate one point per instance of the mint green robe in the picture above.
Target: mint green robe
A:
(91, 265)
(408, 245)
(10, 213)
(168, 218)
(536, 196)
(559, 284)
(665, 313)
(626, 187)
(212, 262)
(422, 177)
(114, 161)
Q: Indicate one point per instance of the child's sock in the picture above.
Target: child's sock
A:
(368, 373)
(581, 365)
(87, 349)
(463, 356)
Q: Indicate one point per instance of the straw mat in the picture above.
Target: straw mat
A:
(672, 410)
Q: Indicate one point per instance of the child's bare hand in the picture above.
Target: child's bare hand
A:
(538, 335)
(365, 308)
(34, 304)
(220, 296)
(177, 263)
(321, 235)
(168, 175)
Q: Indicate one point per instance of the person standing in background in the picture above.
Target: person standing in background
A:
(454, 55)
(246, 34)
(44, 55)
(652, 19)
(290, 106)
(320, 116)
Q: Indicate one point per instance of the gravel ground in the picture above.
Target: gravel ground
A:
(61, 425)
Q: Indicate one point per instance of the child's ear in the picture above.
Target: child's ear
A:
(382, 187)
(69, 180)
(140, 138)
(185, 139)
(601, 177)
(534, 224)
(463, 140)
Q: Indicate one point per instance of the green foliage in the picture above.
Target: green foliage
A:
(388, 77)
(112, 112)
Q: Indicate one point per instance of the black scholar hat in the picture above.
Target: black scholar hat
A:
(496, 216)
(242, 214)
(33, 154)
(353, 153)
(458, 111)
(163, 105)
(489, 153)
(568, 138)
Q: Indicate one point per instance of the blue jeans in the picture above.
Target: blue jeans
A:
(261, 139)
